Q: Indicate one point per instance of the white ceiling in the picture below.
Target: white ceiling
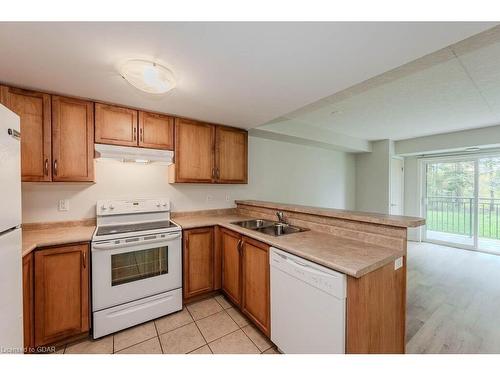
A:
(241, 74)
(453, 89)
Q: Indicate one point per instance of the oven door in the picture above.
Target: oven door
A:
(132, 268)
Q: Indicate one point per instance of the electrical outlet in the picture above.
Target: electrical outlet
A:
(398, 263)
(63, 205)
(209, 197)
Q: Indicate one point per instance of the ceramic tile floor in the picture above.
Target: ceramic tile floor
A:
(209, 326)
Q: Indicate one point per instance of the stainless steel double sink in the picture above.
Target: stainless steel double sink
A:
(272, 228)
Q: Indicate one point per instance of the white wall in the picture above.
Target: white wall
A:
(373, 178)
(412, 194)
(278, 171)
(453, 141)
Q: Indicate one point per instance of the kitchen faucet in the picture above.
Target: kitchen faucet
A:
(281, 217)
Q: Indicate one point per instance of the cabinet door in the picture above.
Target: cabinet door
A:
(61, 293)
(194, 151)
(231, 265)
(198, 259)
(231, 155)
(34, 110)
(156, 131)
(115, 125)
(72, 139)
(255, 283)
(28, 295)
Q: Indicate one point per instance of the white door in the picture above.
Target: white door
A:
(397, 183)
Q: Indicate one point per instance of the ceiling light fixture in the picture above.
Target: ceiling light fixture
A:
(148, 76)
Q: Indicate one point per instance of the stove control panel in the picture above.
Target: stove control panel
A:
(129, 206)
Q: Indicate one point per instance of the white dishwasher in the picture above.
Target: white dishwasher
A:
(308, 304)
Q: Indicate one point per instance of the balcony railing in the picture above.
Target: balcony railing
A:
(456, 215)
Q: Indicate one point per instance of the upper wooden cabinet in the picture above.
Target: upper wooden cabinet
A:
(156, 131)
(34, 110)
(255, 301)
(198, 261)
(61, 293)
(231, 155)
(206, 153)
(72, 139)
(194, 151)
(115, 125)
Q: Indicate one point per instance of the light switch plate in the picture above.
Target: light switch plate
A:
(63, 205)
(398, 263)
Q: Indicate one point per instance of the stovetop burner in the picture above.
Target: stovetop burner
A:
(138, 227)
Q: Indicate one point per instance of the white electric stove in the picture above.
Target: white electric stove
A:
(136, 264)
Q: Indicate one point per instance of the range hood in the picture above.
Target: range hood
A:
(133, 154)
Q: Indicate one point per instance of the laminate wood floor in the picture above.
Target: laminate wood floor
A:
(453, 301)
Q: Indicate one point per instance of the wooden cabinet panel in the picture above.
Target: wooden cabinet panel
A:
(198, 261)
(194, 151)
(376, 311)
(115, 125)
(72, 139)
(28, 296)
(61, 293)
(217, 258)
(156, 131)
(34, 110)
(231, 265)
(231, 155)
(255, 283)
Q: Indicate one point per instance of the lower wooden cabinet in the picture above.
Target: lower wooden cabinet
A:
(245, 276)
(61, 289)
(28, 299)
(198, 261)
(231, 265)
(255, 301)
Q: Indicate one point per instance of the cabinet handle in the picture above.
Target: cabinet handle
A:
(217, 173)
(55, 167)
(46, 168)
(84, 259)
(140, 135)
(135, 134)
(239, 246)
(213, 173)
(187, 243)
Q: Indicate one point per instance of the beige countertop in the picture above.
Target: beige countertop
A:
(57, 235)
(367, 217)
(352, 257)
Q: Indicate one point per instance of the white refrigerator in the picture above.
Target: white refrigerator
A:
(11, 291)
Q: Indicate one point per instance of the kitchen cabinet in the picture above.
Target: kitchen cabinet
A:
(206, 153)
(34, 111)
(61, 285)
(156, 131)
(72, 139)
(245, 276)
(231, 265)
(28, 296)
(231, 156)
(198, 261)
(115, 125)
(255, 298)
(194, 151)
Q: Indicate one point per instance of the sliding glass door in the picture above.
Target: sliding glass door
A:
(462, 202)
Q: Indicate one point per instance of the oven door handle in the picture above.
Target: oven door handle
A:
(108, 245)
